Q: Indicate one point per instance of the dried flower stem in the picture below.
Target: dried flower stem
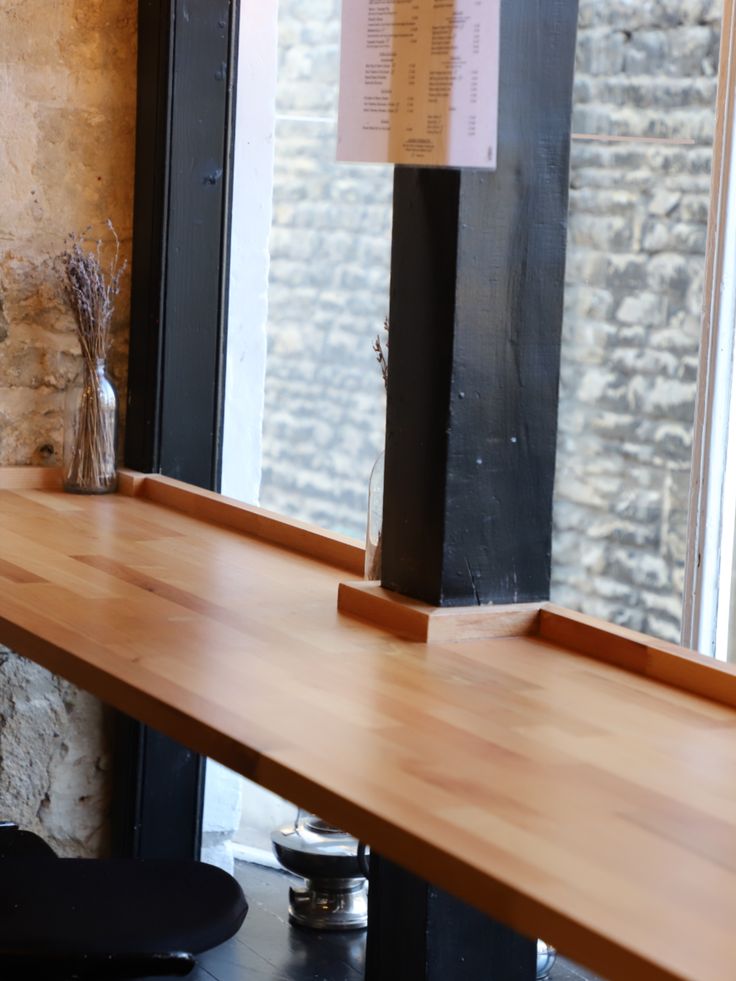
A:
(381, 354)
(374, 555)
(91, 291)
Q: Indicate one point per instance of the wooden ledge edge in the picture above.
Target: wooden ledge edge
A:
(30, 478)
(216, 509)
(657, 660)
(579, 633)
(419, 621)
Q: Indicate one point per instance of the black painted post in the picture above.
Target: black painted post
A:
(476, 314)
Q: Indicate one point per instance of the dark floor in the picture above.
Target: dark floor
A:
(567, 971)
(268, 949)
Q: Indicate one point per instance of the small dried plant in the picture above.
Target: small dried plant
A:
(381, 354)
(91, 286)
(374, 550)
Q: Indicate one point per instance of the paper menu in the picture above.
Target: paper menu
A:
(419, 82)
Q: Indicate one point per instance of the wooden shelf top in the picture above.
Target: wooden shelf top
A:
(549, 778)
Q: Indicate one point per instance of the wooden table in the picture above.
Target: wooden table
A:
(577, 781)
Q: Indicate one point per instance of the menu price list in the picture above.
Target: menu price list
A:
(419, 82)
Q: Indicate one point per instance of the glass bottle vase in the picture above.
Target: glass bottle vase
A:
(374, 526)
(90, 432)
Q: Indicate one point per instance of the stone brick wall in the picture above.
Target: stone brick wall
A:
(328, 290)
(638, 216)
(67, 105)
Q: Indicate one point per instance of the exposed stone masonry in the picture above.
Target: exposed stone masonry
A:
(67, 105)
(638, 216)
(54, 758)
(328, 290)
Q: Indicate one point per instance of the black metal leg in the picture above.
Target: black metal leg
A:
(419, 933)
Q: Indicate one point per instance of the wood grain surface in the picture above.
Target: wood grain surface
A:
(570, 798)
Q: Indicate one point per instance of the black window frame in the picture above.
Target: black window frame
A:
(187, 54)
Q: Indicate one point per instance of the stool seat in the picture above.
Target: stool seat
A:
(97, 905)
(117, 918)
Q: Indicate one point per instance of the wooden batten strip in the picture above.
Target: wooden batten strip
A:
(419, 621)
(130, 483)
(30, 478)
(216, 509)
(640, 654)
(413, 619)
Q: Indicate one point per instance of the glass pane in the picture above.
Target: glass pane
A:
(646, 76)
(328, 253)
(328, 290)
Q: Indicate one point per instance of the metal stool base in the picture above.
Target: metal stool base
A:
(335, 904)
(335, 893)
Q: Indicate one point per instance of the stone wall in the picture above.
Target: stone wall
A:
(67, 105)
(328, 290)
(638, 216)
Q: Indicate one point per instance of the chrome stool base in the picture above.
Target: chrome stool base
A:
(546, 957)
(335, 894)
(334, 904)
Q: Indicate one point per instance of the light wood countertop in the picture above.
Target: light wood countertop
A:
(548, 778)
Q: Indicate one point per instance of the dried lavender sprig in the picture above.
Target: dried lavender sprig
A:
(91, 293)
(381, 354)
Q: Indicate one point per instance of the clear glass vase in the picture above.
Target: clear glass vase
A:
(374, 525)
(90, 432)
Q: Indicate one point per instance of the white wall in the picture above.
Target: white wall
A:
(249, 259)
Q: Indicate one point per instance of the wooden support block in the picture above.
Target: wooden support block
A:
(419, 621)
(131, 483)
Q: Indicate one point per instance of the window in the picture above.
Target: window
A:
(645, 107)
(310, 263)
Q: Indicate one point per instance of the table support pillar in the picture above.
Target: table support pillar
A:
(419, 933)
(477, 277)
